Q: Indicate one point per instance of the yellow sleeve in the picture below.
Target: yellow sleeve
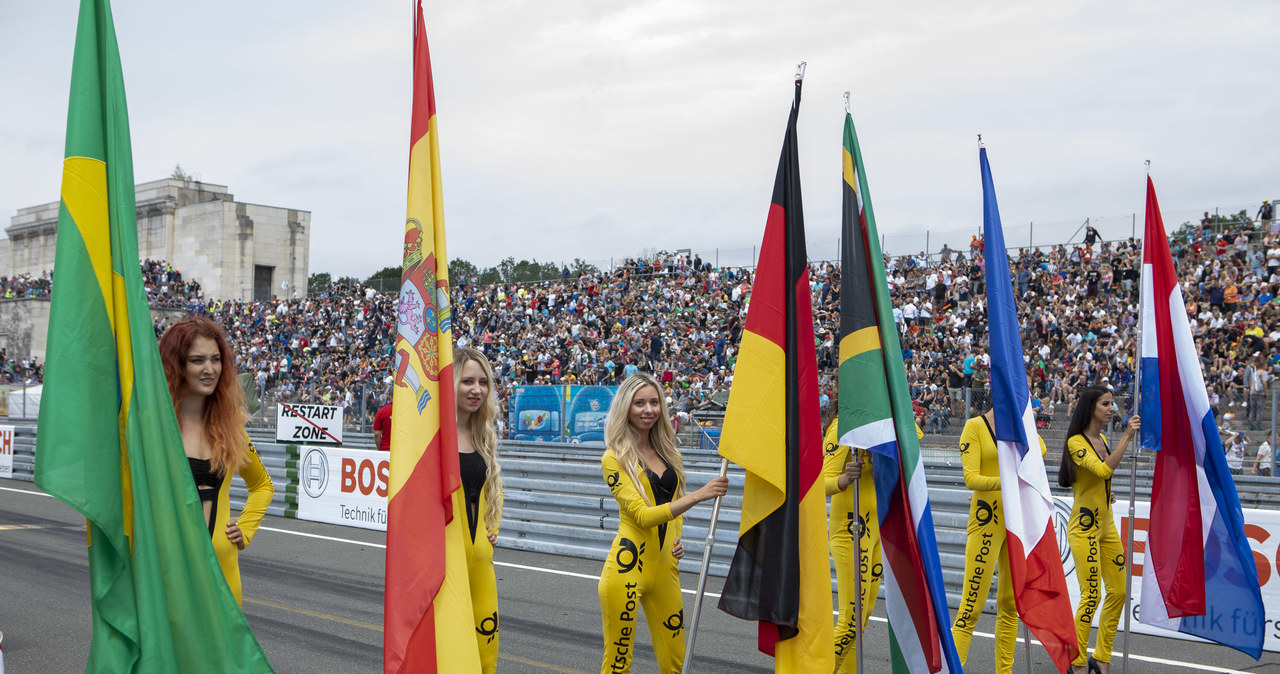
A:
(1083, 456)
(834, 457)
(919, 432)
(971, 457)
(261, 490)
(1043, 450)
(627, 494)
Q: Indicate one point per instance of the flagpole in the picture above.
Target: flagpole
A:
(1026, 643)
(702, 574)
(1133, 466)
(857, 569)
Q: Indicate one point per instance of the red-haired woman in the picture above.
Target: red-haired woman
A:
(211, 412)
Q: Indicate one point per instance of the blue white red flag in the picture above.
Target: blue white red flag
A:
(1198, 574)
(1035, 565)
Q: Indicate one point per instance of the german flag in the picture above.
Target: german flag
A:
(427, 600)
(780, 575)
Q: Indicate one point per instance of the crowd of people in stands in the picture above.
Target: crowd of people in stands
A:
(25, 285)
(681, 319)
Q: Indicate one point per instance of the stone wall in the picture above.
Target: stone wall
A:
(24, 326)
(197, 227)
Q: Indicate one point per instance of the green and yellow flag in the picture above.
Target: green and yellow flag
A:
(108, 443)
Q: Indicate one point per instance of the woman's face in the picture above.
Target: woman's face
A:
(473, 387)
(203, 367)
(646, 408)
(1104, 409)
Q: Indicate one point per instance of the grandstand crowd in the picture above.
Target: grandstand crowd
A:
(681, 318)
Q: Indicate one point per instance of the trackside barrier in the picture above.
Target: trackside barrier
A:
(556, 501)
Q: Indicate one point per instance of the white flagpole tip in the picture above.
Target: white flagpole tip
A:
(800, 70)
(846, 103)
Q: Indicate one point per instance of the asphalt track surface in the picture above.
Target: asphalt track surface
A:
(313, 595)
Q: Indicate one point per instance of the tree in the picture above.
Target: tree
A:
(581, 266)
(462, 272)
(179, 174)
(319, 282)
(386, 279)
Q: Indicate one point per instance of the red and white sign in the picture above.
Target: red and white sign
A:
(297, 423)
(343, 486)
(1261, 527)
(6, 451)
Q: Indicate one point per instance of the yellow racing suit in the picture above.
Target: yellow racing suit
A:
(985, 547)
(1096, 547)
(845, 549)
(640, 572)
(484, 583)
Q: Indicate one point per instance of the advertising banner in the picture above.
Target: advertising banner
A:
(299, 422)
(343, 486)
(6, 451)
(1262, 527)
(569, 413)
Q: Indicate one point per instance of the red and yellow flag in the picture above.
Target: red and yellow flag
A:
(427, 621)
(780, 574)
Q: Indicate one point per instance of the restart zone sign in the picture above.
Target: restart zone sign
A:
(343, 486)
(297, 423)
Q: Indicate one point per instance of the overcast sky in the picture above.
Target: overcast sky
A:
(587, 129)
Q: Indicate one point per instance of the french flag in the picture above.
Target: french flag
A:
(1039, 583)
(1198, 575)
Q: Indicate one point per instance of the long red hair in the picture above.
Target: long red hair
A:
(224, 410)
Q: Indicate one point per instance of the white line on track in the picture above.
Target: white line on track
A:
(585, 576)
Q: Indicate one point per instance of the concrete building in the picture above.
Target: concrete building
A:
(235, 250)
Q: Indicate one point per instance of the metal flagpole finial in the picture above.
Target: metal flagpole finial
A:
(980, 141)
(846, 102)
(800, 70)
(1148, 167)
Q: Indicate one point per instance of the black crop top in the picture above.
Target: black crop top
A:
(664, 489)
(473, 472)
(207, 485)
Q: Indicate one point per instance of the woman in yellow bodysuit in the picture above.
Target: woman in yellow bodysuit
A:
(1087, 465)
(841, 465)
(985, 547)
(201, 374)
(481, 494)
(643, 470)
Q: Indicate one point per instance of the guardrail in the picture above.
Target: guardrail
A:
(556, 501)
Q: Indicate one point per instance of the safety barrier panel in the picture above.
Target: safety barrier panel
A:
(556, 501)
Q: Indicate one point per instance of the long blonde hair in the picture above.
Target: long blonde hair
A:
(621, 437)
(483, 436)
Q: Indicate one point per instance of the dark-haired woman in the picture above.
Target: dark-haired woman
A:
(207, 397)
(1088, 462)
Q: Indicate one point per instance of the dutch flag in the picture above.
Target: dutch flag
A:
(1198, 575)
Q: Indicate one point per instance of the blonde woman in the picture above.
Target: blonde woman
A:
(481, 492)
(643, 470)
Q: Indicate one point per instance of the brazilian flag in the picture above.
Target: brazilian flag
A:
(108, 443)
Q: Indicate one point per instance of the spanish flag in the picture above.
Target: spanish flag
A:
(427, 621)
(780, 575)
(108, 443)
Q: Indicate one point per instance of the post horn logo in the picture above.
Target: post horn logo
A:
(985, 513)
(612, 480)
(1088, 518)
(488, 627)
(862, 525)
(675, 623)
(628, 556)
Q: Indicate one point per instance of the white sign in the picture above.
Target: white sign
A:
(6, 451)
(343, 486)
(1261, 527)
(297, 423)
